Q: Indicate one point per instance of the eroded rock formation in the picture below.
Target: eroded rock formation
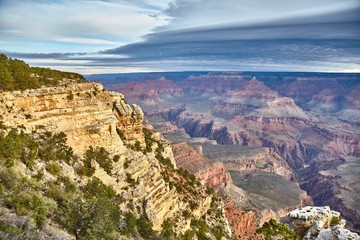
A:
(320, 223)
(91, 116)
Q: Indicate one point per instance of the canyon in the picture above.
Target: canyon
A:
(265, 129)
(206, 156)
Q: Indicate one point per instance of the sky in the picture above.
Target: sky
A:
(116, 36)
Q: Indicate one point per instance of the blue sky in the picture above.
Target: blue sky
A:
(107, 36)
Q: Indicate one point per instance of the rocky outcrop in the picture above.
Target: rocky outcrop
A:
(143, 176)
(83, 111)
(319, 223)
(129, 122)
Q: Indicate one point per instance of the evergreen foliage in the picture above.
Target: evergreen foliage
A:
(17, 75)
(273, 229)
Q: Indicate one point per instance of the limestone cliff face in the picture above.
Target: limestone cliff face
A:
(91, 116)
(129, 121)
(83, 111)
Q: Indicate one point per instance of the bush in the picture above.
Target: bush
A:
(335, 221)
(86, 169)
(200, 227)
(97, 188)
(144, 227)
(39, 175)
(273, 229)
(116, 158)
(89, 217)
(27, 201)
(53, 168)
(167, 232)
(100, 155)
(129, 179)
(130, 224)
(18, 145)
(54, 147)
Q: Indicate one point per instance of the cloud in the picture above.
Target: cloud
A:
(107, 23)
(257, 35)
(200, 13)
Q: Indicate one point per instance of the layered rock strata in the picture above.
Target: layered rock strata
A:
(91, 116)
(213, 174)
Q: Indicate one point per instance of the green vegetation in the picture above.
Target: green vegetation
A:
(130, 179)
(130, 224)
(98, 154)
(27, 148)
(70, 96)
(53, 147)
(144, 227)
(90, 212)
(53, 168)
(335, 221)
(17, 75)
(167, 232)
(273, 229)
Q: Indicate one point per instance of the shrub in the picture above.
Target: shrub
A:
(334, 221)
(218, 232)
(53, 168)
(127, 163)
(200, 227)
(130, 224)
(96, 187)
(54, 147)
(273, 229)
(144, 227)
(68, 184)
(1, 189)
(89, 217)
(100, 155)
(70, 96)
(167, 232)
(39, 175)
(116, 158)
(186, 214)
(189, 235)
(129, 179)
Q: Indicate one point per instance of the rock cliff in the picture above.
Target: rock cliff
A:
(212, 173)
(143, 175)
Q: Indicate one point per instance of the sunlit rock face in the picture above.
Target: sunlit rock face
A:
(91, 116)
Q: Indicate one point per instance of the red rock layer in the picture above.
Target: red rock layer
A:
(212, 173)
(243, 224)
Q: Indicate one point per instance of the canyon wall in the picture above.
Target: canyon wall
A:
(91, 116)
